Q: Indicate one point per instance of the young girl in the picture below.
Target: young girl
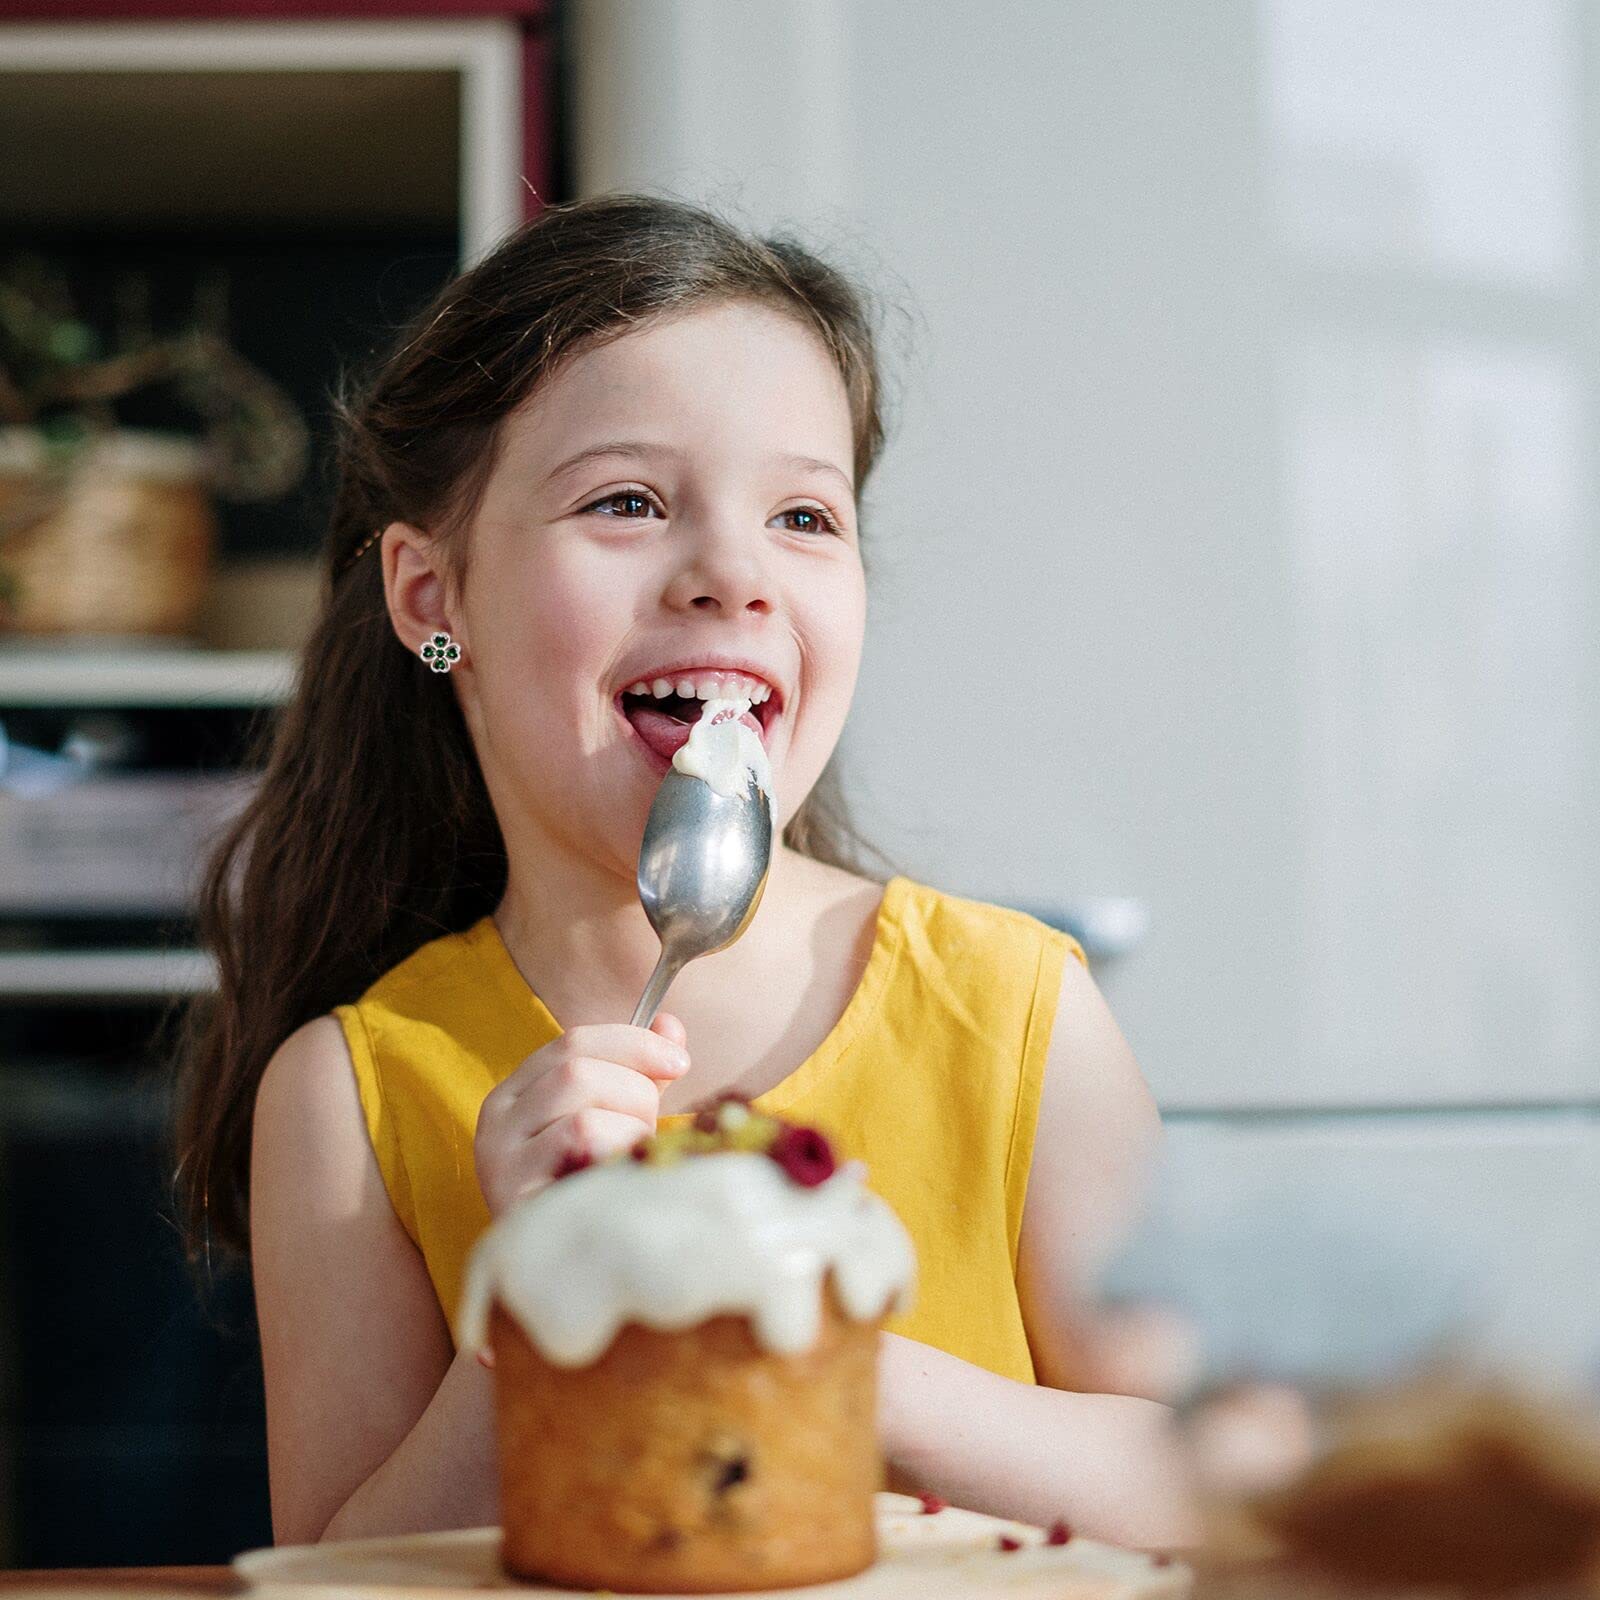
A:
(619, 464)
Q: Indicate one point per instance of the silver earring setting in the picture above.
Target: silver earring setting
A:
(441, 652)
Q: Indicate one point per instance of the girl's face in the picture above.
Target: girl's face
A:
(674, 509)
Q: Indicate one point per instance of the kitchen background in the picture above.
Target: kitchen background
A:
(1246, 369)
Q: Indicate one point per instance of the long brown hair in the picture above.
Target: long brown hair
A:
(371, 830)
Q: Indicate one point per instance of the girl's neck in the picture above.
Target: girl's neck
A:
(582, 941)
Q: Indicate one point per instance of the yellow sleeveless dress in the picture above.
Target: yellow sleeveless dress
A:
(931, 1076)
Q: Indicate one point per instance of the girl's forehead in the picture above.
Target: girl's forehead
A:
(718, 353)
(735, 377)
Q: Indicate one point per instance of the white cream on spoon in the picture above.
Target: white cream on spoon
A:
(725, 751)
(707, 843)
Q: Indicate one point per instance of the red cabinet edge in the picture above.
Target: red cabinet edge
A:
(538, 116)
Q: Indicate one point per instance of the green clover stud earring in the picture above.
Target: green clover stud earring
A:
(441, 652)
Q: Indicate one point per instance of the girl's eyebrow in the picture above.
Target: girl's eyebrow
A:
(641, 448)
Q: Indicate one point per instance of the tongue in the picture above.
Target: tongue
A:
(667, 735)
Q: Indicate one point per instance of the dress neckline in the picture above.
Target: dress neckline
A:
(484, 940)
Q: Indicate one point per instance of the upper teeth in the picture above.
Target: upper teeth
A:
(712, 686)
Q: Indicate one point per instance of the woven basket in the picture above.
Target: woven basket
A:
(123, 546)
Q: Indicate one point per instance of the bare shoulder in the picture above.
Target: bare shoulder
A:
(320, 1038)
(1099, 1131)
(307, 1095)
(311, 1066)
(312, 1162)
(1090, 1066)
(353, 1340)
(1094, 1152)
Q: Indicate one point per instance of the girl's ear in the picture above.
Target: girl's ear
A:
(414, 586)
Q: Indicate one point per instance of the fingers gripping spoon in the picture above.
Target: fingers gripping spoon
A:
(707, 846)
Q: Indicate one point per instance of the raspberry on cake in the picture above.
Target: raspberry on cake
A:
(685, 1349)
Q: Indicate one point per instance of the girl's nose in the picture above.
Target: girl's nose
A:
(720, 573)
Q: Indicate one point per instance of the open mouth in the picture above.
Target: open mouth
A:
(664, 722)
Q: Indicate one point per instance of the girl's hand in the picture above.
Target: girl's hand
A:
(590, 1093)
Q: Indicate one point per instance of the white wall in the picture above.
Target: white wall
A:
(1235, 549)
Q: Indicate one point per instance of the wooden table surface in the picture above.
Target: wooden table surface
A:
(187, 1581)
(126, 1580)
(107, 1583)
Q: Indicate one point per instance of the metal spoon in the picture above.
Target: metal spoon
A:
(702, 867)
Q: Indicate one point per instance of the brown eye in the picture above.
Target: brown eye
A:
(632, 495)
(821, 521)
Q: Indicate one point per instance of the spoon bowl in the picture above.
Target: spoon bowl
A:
(702, 868)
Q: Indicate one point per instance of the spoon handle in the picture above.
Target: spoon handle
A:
(655, 991)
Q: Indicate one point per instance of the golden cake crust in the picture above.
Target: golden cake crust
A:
(689, 1462)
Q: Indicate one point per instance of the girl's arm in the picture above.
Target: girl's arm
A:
(1107, 1464)
(373, 1424)
(1110, 1464)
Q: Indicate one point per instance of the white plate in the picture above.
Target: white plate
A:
(953, 1552)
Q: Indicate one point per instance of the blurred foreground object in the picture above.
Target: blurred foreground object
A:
(1448, 1484)
(1248, 1438)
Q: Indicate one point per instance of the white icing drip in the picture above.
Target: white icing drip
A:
(669, 1246)
(726, 752)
